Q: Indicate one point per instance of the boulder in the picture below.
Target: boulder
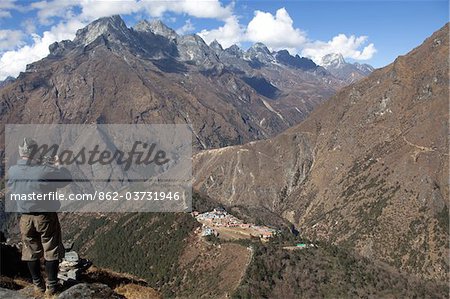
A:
(11, 294)
(89, 291)
(71, 256)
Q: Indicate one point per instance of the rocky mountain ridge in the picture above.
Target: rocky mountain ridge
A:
(149, 74)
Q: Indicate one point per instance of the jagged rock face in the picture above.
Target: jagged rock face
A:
(349, 72)
(296, 61)
(147, 74)
(233, 58)
(260, 53)
(367, 169)
(365, 68)
(235, 51)
(216, 47)
(334, 60)
(156, 27)
(114, 26)
(193, 48)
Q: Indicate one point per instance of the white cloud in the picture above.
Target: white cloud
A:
(228, 34)
(6, 6)
(5, 14)
(349, 47)
(49, 9)
(29, 26)
(199, 9)
(93, 9)
(14, 62)
(10, 39)
(276, 31)
(188, 27)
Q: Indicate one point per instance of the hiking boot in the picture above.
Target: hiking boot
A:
(39, 286)
(36, 277)
(51, 268)
(51, 290)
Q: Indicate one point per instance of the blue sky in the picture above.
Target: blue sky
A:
(373, 32)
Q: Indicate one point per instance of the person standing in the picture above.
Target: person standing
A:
(39, 224)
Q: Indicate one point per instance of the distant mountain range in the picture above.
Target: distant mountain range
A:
(348, 72)
(149, 74)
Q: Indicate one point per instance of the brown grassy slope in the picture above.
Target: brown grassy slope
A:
(328, 272)
(211, 270)
(164, 249)
(380, 174)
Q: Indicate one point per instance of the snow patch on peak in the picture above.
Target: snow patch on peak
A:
(156, 27)
(260, 47)
(113, 24)
(334, 60)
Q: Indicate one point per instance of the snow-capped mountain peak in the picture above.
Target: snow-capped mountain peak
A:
(334, 60)
(349, 72)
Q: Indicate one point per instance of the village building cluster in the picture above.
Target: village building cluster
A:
(219, 217)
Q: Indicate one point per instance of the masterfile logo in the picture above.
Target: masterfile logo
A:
(112, 168)
(143, 152)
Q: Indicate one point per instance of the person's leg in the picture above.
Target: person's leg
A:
(50, 232)
(31, 250)
(51, 269)
(35, 270)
